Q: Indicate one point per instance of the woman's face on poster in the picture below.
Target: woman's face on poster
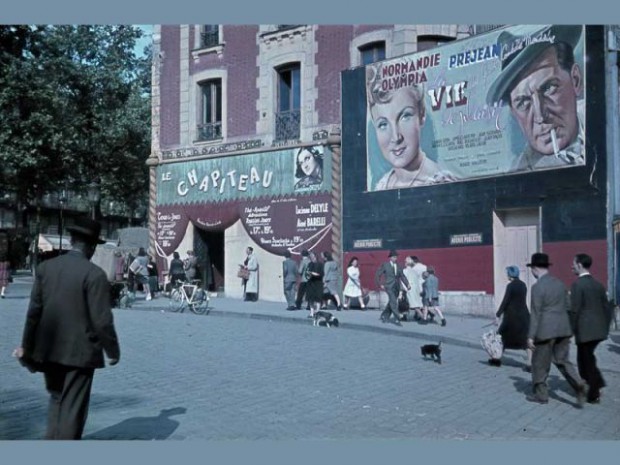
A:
(397, 124)
(306, 162)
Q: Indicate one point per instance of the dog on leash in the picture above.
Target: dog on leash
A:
(433, 351)
(322, 318)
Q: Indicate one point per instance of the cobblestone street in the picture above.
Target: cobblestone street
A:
(256, 377)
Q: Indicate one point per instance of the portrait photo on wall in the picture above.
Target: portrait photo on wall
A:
(309, 168)
(504, 102)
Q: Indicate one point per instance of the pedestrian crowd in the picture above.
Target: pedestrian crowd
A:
(69, 325)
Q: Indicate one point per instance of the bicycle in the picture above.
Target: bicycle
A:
(189, 294)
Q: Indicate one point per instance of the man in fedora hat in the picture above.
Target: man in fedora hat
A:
(389, 277)
(591, 318)
(550, 332)
(69, 325)
(543, 86)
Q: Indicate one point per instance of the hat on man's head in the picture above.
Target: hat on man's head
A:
(88, 229)
(393, 253)
(519, 46)
(539, 260)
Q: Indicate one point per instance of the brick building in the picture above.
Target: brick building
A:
(237, 108)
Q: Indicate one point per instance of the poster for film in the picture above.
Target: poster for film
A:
(282, 198)
(506, 102)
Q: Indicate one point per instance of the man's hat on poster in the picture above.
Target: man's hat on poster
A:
(539, 260)
(88, 229)
(393, 253)
(519, 46)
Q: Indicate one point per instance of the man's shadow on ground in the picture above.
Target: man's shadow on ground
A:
(555, 384)
(142, 428)
(615, 345)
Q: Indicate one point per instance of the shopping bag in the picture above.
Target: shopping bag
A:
(492, 342)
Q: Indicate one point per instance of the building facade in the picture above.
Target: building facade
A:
(237, 109)
(502, 185)
(246, 139)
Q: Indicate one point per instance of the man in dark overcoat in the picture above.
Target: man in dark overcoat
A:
(69, 325)
(590, 317)
(550, 332)
(389, 277)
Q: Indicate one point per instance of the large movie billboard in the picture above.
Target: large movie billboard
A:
(283, 198)
(505, 102)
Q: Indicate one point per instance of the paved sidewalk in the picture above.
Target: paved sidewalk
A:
(255, 371)
(460, 330)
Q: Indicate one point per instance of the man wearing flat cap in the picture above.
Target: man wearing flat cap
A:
(389, 277)
(543, 85)
(550, 332)
(69, 325)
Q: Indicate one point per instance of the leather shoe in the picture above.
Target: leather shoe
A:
(536, 400)
(581, 397)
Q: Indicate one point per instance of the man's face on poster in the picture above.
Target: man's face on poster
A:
(545, 99)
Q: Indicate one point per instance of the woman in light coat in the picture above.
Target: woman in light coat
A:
(414, 295)
(353, 287)
(250, 285)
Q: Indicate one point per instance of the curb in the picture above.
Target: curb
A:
(349, 326)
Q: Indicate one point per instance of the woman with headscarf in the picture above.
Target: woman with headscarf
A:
(515, 316)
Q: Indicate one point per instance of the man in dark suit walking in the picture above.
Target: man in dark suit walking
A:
(68, 327)
(289, 278)
(389, 277)
(590, 317)
(550, 332)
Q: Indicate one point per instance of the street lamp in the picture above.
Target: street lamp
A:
(61, 203)
(93, 196)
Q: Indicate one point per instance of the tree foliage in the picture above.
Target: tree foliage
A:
(74, 108)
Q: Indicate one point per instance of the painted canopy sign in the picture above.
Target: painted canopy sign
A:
(283, 198)
(500, 103)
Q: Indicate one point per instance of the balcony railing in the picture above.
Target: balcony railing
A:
(210, 38)
(483, 28)
(287, 125)
(209, 131)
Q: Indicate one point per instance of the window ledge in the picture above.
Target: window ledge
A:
(208, 142)
(280, 34)
(218, 49)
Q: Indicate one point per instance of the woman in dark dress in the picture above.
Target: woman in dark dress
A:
(314, 288)
(515, 316)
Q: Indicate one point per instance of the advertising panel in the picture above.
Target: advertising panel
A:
(283, 198)
(505, 102)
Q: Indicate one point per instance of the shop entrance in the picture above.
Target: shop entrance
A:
(209, 249)
(515, 239)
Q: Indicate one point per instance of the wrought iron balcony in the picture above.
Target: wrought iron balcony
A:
(210, 38)
(287, 125)
(209, 131)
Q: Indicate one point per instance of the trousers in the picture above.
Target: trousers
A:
(69, 389)
(586, 363)
(553, 350)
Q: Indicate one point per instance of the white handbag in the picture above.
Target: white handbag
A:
(492, 342)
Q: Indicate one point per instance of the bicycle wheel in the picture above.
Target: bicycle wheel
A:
(200, 306)
(176, 301)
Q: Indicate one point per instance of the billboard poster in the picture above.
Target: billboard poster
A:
(506, 102)
(283, 198)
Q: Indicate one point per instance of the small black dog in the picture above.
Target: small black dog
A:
(432, 350)
(322, 318)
